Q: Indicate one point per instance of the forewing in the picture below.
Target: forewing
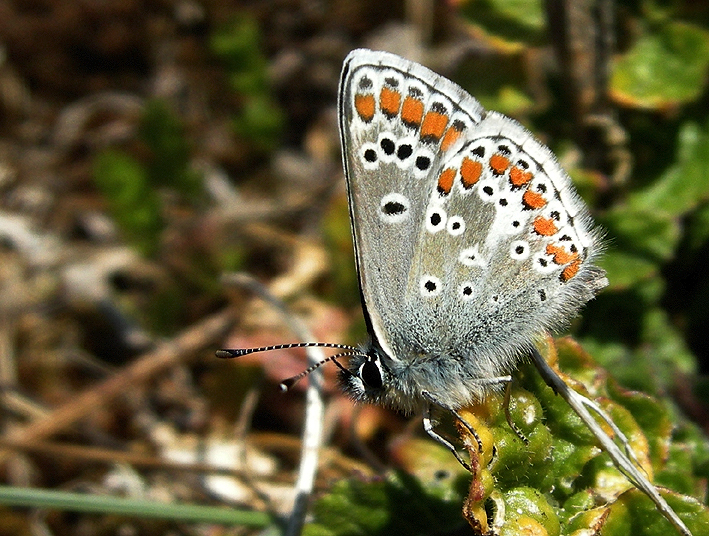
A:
(398, 121)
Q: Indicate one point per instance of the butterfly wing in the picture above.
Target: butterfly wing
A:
(395, 126)
(470, 240)
(505, 251)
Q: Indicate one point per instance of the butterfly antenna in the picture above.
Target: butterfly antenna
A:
(290, 382)
(240, 352)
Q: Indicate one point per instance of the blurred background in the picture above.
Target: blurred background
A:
(148, 147)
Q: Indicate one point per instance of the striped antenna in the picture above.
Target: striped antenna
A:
(239, 352)
(290, 382)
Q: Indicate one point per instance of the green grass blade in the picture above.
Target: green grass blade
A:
(80, 502)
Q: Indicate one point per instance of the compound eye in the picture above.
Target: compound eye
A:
(370, 374)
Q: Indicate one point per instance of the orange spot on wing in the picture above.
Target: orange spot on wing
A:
(470, 171)
(499, 163)
(544, 226)
(533, 199)
(389, 101)
(519, 177)
(412, 111)
(445, 180)
(434, 124)
(571, 270)
(364, 104)
(561, 256)
(451, 136)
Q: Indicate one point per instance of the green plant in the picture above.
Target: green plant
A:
(131, 199)
(131, 186)
(238, 45)
(559, 483)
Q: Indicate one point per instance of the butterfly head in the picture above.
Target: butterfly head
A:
(366, 378)
(374, 377)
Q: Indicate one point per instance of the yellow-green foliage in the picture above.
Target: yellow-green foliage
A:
(559, 483)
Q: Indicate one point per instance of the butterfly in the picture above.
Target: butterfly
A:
(470, 243)
(469, 238)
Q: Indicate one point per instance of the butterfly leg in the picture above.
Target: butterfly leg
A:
(428, 426)
(470, 429)
(508, 417)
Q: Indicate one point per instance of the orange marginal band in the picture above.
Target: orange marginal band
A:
(364, 104)
(412, 111)
(445, 180)
(389, 101)
(544, 226)
(470, 171)
(499, 163)
(533, 199)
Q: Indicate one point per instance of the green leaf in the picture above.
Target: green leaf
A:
(625, 270)
(549, 485)
(507, 22)
(523, 505)
(398, 504)
(678, 471)
(646, 231)
(652, 417)
(633, 513)
(685, 184)
(663, 69)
